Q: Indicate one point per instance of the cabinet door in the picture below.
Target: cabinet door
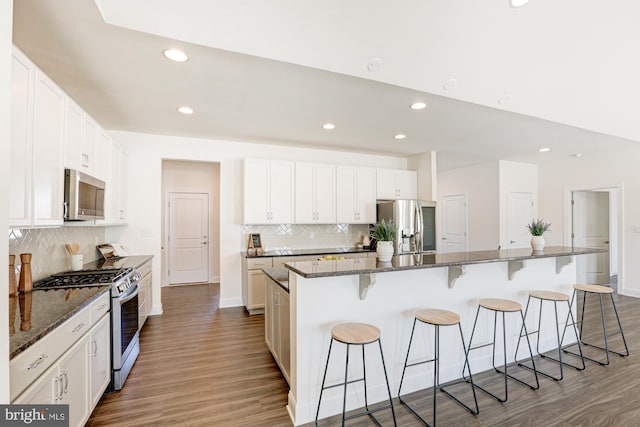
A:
(256, 195)
(305, 212)
(74, 374)
(48, 137)
(366, 195)
(123, 186)
(285, 346)
(99, 359)
(103, 156)
(281, 192)
(325, 194)
(20, 153)
(89, 142)
(256, 280)
(268, 313)
(73, 136)
(44, 390)
(386, 184)
(407, 184)
(275, 344)
(346, 195)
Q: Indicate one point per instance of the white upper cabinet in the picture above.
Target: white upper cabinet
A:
(356, 195)
(268, 191)
(396, 184)
(315, 193)
(20, 145)
(87, 146)
(73, 156)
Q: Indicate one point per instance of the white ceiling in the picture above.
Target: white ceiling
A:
(276, 71)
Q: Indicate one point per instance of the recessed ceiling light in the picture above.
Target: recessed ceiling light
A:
(176, 55)
(400, 136)
(418, 105)
(185, 110)
(518, 3)
(328, 126)
(544, 150)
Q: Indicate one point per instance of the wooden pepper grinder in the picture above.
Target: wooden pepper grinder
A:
(13, 302)
(25, 301)
(13, 286)
(26, 281)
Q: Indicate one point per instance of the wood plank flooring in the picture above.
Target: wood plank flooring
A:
(205, 366)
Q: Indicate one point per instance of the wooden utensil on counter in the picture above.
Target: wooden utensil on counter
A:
(26, 281)
(25, 311)
(13, 285)
(13, 303)
(72, 248)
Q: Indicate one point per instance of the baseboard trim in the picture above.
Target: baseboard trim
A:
(230, 302)
(156, 310)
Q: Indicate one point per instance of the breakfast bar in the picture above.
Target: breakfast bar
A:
(325, 293)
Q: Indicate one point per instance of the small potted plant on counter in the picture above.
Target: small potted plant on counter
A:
(537, 229)
(384, 232)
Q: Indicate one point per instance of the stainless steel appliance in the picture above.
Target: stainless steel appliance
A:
(415, 222)
(125, 342)
(83, 196)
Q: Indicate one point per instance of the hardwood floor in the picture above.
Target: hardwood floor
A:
(205, 366)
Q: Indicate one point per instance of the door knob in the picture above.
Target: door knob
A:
(606, 242)
(512, 241)
(444, 238)
(204, 243)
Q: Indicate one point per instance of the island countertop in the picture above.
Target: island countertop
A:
(312, 269)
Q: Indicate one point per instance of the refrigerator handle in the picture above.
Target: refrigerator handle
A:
(418, 227)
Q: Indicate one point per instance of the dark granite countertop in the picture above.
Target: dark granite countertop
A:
(49, 308)
(311, 269)
(300, 252)
(122, 262)
(280, 275)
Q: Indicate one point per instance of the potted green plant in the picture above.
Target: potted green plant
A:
(384, 232)
(537, 229)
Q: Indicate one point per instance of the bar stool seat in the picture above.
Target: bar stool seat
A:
(549, 295)
(497, 304)
(355, 333)
(503, 306)
(360, 334)
(437, 318)
(434, 316)
(598, 290)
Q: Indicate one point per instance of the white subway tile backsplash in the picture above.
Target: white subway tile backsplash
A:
(306, 236)
(47, 247)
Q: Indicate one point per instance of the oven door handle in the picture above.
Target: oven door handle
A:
(131, 295)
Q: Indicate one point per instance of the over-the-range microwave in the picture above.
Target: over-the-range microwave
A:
(83, 196)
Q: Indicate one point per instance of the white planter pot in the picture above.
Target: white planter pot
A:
(385, 251)
(537, 243)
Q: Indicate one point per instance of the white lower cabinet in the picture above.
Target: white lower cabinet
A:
(66, 382)
(276, 323)
(144, 297)
(253, 282)
(70, 365)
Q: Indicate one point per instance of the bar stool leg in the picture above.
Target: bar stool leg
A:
(386, 380)
(473, 390)
(344, 394)
(324, 377)
(406, 359)
(364, 376)
(620, 326)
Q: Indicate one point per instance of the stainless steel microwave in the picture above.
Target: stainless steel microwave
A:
(83, 196)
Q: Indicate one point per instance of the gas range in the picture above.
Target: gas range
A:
(120, 279)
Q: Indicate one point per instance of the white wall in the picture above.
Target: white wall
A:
(520, 178)
(425, 165)
(194, 177)
(146, 153)
(558, 177)
(480, 183)
(6, 24)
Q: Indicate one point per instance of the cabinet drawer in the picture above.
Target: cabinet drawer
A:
(145, 268)
(29, 365)
(100, 307)
(259, 263)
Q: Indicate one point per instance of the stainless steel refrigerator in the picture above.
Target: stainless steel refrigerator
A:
(415, 222)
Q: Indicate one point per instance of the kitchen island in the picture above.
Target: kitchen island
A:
(325, 293)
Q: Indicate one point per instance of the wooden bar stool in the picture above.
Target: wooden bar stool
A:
(437, 318)
(600, 291)
(501, 306)
(356, 334)
(554, 297)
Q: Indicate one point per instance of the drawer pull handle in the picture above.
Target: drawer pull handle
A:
(57, 387)
(66, 382)
(94, 345)
(77, 328)
(37, 362)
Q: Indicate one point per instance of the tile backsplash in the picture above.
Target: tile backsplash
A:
(303, 236)
(47, 247)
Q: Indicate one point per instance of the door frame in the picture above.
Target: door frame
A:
(440, 217)
(619, 226)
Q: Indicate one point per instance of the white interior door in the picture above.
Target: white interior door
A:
(591, 230)
(188, 238)
(454, 223)
(520, 212)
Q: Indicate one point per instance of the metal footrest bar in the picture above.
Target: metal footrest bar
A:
(370, 413)
(342, 384)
